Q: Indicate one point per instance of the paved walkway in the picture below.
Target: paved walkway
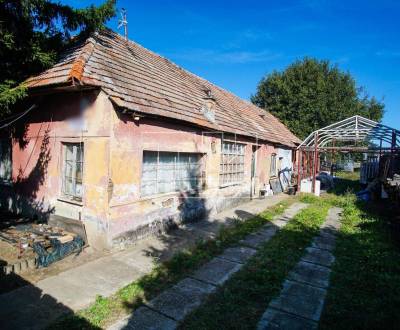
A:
(173, 305)
(300, 303)
(34, 307)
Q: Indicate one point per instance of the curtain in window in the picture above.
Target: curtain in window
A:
(73, 169)
(164, 172)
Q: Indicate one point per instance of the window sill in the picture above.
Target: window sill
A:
(230, 184)
(168, 194)
(70, 201)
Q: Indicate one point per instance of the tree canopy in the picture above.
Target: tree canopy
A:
(32, 35)
(310, 94)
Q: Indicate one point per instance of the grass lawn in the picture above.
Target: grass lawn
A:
(106, 310)
(365, 283)
(240, 303)
(364, 290)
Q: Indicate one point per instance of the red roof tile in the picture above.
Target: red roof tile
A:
(140, 80)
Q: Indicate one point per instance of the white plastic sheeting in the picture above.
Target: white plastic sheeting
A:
(285, 166)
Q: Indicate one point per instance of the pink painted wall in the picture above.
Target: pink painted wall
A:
(112, 206)
(129, 210)
(37, 159)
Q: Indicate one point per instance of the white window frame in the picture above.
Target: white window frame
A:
(232, 163)
(199, 178)
(67, 194)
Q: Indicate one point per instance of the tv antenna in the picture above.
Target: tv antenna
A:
(123, 22)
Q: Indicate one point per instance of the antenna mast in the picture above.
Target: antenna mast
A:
(123, 22)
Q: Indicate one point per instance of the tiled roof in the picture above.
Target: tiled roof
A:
(140, 80)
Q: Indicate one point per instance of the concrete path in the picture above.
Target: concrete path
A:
(173, 305)
(300, 303)
(36, 306)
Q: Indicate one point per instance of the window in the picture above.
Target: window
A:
(5, 160)
(272, 171)
(73, 168)
(232, 163)
(165, 172)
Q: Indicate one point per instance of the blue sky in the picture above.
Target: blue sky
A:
(234, 43)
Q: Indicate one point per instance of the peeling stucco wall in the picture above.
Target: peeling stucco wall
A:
(37, 160)
(112, 208)
(132, 215)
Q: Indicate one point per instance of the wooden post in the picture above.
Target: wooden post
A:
(298, 169)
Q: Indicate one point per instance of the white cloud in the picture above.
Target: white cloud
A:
(229, 57)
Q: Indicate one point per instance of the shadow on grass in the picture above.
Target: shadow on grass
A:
(240, 303)
(179, 259)
(365, 282)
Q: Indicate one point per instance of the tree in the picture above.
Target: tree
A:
(32, 35)
(311, 94)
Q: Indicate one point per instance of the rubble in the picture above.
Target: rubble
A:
(30, 245)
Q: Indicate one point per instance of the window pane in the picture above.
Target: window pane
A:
(169, 171)
(73, 170)
(69, 152)
(232, 159)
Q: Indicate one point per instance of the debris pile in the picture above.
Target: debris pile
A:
(44, 242)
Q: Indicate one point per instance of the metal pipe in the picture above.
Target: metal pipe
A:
(315, 163)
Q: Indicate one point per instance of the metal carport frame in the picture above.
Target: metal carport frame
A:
(372, 136)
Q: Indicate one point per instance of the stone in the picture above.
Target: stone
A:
(255, 240)
(17, 268)
(301, 300)
(318, 256)
(305, 272)
(324, 243)
(238, 254)
(24, 265)
(293, 209)
(327, 234)
(182, 298)
(280, 223)
(274, 319)
(31, 263)
(145, 319)
(216, 271)
(332, 224)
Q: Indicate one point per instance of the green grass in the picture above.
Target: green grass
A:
(240, 303)
(106, 310)
(364, 291)
(365, 283)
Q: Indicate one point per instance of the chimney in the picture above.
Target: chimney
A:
(208, 108)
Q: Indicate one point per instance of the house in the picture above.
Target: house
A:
(126, 142)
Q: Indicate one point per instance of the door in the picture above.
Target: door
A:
(253, 184)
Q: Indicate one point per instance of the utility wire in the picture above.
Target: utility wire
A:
(20, 116)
